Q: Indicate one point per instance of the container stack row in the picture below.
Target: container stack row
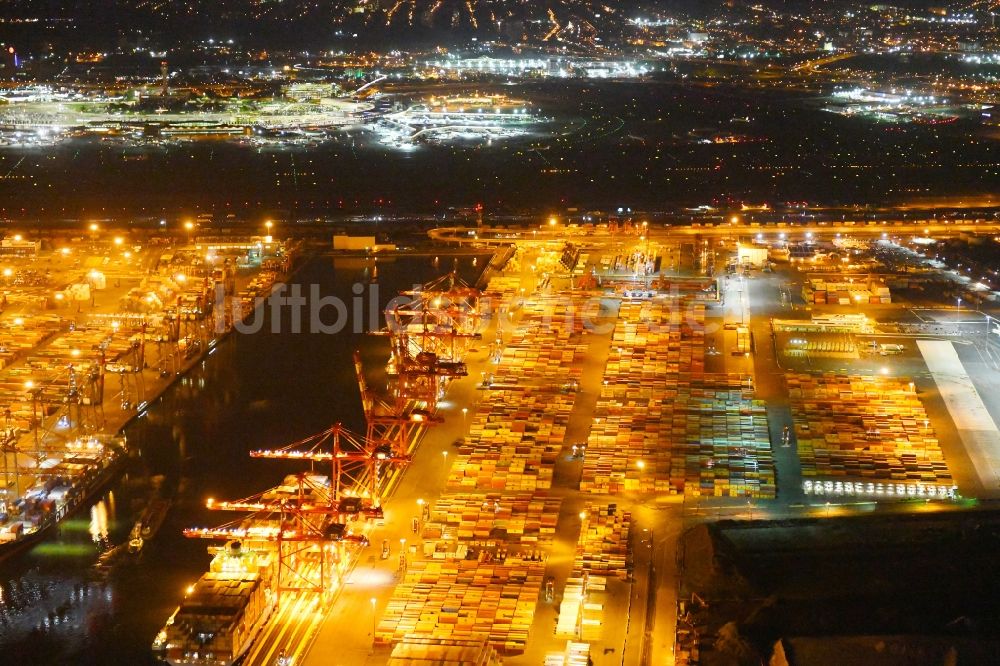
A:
(486, 537)
(722, 447)
(422, 651)
(604, 542)
(861, 292)
(465, 599)
(575, 654)
(663, 425)
(546, 346)
(517, 520)
(542, 363)
(514, 439)
(38, 352)
(869, 428)
(580, 616)
(19, 335)
(519, 426)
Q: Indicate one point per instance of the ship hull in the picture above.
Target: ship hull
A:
(104, 477)
(258, 629)
(153, 519)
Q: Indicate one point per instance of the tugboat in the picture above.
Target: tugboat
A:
(135, 540)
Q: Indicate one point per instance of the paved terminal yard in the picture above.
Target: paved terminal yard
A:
(608, 408)
(624, 390)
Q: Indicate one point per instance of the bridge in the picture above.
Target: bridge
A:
(811, 65)
(491, 236)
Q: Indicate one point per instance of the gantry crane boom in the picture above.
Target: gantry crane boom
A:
(266, 534)
(337, 445)
(304, 508)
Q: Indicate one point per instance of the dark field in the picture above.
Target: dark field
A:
(928, 577)
(608, 145)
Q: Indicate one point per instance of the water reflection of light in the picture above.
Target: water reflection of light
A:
(63, 549)
(99, 521)
(77, 524)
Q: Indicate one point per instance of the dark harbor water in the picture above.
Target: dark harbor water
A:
(255, 391)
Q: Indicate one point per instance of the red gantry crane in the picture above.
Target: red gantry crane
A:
(431, 330)
(390, 427)
(307, 519)
(301, 522)
(351, 458)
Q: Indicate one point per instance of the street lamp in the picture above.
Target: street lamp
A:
(9, 446)
(373, 601)
(958, 316)
(465, 414)
(189, 227)
(641, 464)
(33, 391)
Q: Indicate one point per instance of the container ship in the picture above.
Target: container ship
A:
(64, 481)
(223, 612)
(297, 526)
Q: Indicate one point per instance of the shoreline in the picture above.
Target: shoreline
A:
(168, 382)
(154, 387)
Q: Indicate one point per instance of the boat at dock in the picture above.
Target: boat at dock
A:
(135, 540)
(153, 517)
(151, 520)
(65, 482)
(223, 613)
